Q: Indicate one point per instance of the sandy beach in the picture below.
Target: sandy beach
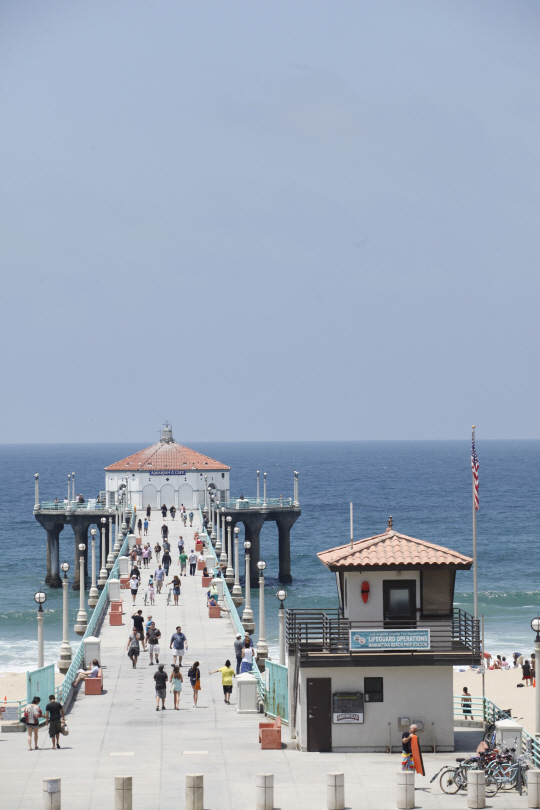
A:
(13, 685)
(502, 688)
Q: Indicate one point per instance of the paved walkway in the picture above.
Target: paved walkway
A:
(120, 732)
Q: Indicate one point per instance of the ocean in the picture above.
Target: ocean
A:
(425, 486)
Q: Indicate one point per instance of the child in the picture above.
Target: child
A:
(151, 591)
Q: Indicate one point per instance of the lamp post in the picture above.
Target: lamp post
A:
(103, 571)
(535, 624)
(223, 556)
(258, 474)
(237, 590)
(205, 508)
(40, 597)
(65, 647)
(69, 488)
(281, 595)
(247, 616)
(36, 491)
(218, 533)
(220, 542)
(229, 573)
(82, 618)
(110, 555)
(73, 485)
(93, 595)
(215, 518)
(111, 513)
(262, 646)
(264, 490)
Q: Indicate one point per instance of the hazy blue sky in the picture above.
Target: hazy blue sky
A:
(285, 220)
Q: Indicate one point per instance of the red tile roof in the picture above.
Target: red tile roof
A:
(167, 456)
(392, 550)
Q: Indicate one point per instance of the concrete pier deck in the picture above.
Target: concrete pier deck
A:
(120, 733)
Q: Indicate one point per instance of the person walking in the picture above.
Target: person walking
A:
(177, 681)
(172, 510)
(134, 587)
(180, 544)
(178, 640)
(194, 675)
(184, 518)
(160, 677)
(191, 520)
(151, 591)
(138, 624)
(192, 563)
(166, 562)
(176, 587)
(53, 718)
(145, 527)
(247, 656)
(146, 555)
(133, 647)
(139, 526)
(139, 550)
(32, 713)
(227, 675)
(159, 575)
(157, 551)
(182, 559)
(164, 512)
(238, 647)
(148, 512)
(466, 704)
(153, 636)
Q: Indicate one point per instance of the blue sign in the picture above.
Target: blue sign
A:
(166, 472)
(389, 639)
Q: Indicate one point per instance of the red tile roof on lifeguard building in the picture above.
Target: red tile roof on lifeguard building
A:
(392, 550)
(167, 456)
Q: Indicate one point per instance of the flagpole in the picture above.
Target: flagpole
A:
(475, 550)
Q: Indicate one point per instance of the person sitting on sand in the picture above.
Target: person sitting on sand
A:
(505, 664)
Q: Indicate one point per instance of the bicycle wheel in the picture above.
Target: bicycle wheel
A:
(448, 782)
(492, 786)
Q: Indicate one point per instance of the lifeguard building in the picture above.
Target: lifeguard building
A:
(383, 658)
(167, 473)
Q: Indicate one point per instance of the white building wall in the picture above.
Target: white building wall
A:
(192, 478)
(356, 610)
(416, 692)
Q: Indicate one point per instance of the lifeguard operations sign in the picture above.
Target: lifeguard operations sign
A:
(389, 639)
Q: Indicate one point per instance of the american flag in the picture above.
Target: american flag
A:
(475, 465)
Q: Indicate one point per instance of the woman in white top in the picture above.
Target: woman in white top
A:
(134, 585)
(247, 656)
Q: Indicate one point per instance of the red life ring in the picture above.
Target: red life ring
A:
(365, 592)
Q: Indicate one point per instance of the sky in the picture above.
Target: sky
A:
(269, 221)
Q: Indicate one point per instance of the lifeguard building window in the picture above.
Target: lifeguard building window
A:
(399, 599)
(438, 592)
(373, 690)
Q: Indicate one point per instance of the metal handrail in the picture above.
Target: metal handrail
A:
(255, 503)
(73, 506)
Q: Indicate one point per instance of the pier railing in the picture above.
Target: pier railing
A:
(256, 503)
(233, 613)
(326, 631)
(91, 505)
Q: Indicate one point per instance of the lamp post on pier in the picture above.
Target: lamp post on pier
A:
(220, 542)
(93, 595)
(535, 624)
(258, 474)
(69, 489)
(215, 518)
(281, 595)
(65, 647)
(223, 556)
(73, 485)
(262, 646)
(103, 571)
(205, 508)
(237, 590)
(229, 573)
(247, 616)
(36, 491)
(82, 618)
(40, 597)
(264, 490)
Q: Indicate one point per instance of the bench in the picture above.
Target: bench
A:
(93, 686)
(214, 612)
(270, 734)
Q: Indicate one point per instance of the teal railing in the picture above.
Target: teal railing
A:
(255, 503)
(235, 618)
(61, 506)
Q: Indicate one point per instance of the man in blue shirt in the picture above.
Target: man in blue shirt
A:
(159, 573)
(177, 645)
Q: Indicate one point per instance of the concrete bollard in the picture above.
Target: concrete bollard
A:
(52, 794)
(335, 791)
(194, 791)
(405, 790)
(123, 792)
(476, 789)
(533, 787)
(265, 791)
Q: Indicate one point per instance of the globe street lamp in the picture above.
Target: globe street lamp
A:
(229, 573)
(535, 624)
(93, 595)
(40, 597)
(220, 535)
(237, 590)
(218, 540)
(82, 618)
(223, 556)
(247, 616)
(65, 647)
(262, 646)
(213, 536)
(281, 595)
(102, 581)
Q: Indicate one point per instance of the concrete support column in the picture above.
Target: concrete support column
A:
(40, 646)
(405, 790)
(194, 791)
(533, 788)
(123, 793)
(476, 789)
(284, 535)
(264, 787)
(335, 791)
(253, 524)
(53, 556)
(52, 793)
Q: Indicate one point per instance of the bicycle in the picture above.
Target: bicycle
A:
(453, 779)
(506, 773)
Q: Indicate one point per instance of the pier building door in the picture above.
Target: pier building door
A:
(185, 496)
(319, 714)
(149, 496)
(166, 495)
